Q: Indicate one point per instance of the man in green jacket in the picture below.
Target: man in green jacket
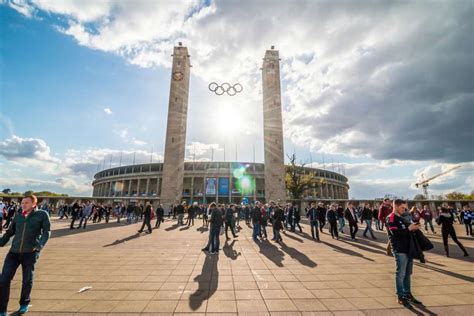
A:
(30, 230)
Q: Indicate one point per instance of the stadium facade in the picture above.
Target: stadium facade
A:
(206, 181)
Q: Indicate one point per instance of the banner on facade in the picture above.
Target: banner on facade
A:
(211, 186)
(223, 186)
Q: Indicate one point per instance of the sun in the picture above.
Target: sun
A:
(229, 120)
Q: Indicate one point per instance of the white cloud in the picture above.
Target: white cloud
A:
(22, 7)
(199, 150)
(108, 111)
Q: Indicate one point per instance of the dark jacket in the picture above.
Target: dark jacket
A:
(312, 214)
(31, 232)
(321, 213)
(351, 219)
(332, 216)
(160, 212)
(398, 233)
(366, 214)
(147, 212)
(278, 218)
(256, 215)
(216, 218)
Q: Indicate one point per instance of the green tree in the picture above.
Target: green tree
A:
(295, 179)
(455, 196)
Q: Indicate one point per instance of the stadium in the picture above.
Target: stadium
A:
(206, 181)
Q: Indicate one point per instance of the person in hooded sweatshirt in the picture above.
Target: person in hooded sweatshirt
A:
(446, 220)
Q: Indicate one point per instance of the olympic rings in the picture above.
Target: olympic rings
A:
(225, 88)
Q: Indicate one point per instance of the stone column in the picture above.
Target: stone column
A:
(273, 128)
(147, 187)
(173, 166)
(129, 187)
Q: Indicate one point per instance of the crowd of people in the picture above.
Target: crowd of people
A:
(403, 227)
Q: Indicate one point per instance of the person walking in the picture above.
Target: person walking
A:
(147, 218)
(385, 210)
(332, 219)
(351, 217)
(321, 216)
(129, 213)
(375, 217)
(160, 214)
(215, 228)
(277, 221)
(86, 213)
(228, 223)
(74, 214)
(366, 216)
(256, 220)
(340, 218)
(427, 216)
(297, 219)
(291, 216)
(446, 220)
(192, 212)
(399, 231)
(468, 216)
(30, 230)
(180, 210)
(313, 221)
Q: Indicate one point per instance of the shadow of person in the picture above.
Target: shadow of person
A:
(229, 250)
(202, 229)
(295, 254)
(172, 227)
(271, 252)
(90, 227)
(185, 228)
(121, 241)
(208, 281)
(293, 237)
(347, 251)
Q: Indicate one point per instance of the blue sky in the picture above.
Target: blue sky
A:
(84, 82)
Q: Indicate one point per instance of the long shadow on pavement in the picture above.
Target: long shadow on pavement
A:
(121, 241)
(347, 251)
(271, 252)
(450, 273)
(301, 257)
(208, 281)
(229, 250)
(90, 227)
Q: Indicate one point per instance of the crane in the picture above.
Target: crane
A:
(424, 183)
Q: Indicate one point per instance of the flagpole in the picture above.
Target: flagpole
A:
(120, 163)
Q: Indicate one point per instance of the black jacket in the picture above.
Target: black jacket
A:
(351, 219)
(332, 216)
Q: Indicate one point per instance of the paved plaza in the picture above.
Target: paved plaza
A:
(166, 273)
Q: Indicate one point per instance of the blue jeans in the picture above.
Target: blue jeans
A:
(276, 234)
(404, 269)
(256, 230)
(341, 224)
(377, 224)
(314, 227)
(214, 238)
(11, 264)
(368, 228)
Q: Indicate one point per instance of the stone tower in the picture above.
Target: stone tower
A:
(275, 188)
(173, 166)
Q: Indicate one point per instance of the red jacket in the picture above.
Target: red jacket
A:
(384, 211)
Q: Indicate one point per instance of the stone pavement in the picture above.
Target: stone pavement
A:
(166, 273)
